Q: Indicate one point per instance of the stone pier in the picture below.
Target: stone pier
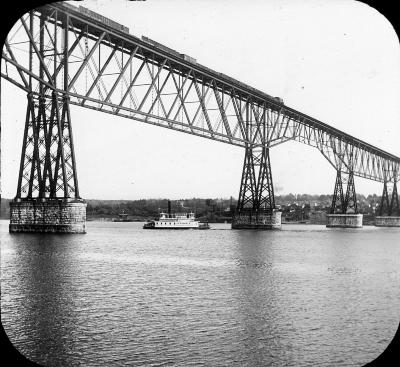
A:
(48, 215)
(251, 220)
(387, 221)
(344, 220)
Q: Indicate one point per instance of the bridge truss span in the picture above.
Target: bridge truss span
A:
(59, 48)
(60, 55)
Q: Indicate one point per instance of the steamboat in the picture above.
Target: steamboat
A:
(176, 221)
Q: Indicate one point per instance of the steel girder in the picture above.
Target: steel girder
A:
(56, 49)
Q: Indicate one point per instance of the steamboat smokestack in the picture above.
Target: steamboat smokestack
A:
(169, 207)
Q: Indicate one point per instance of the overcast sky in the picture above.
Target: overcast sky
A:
(337, 61)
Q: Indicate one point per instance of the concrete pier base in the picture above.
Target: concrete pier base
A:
(48, 216)
(387, 221)
(250, 220)
(344, 220)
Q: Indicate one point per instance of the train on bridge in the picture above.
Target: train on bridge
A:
(192, 60)
(157, 45)
(218, 107)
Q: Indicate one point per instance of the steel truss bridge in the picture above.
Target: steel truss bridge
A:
(62, 55)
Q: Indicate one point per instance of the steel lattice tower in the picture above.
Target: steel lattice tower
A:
(338, 202)
(60, 54)
(256, 196)
(47, 168)
(343, 204)
(390, 207)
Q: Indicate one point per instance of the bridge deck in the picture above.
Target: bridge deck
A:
(258, 118)
(243, 90)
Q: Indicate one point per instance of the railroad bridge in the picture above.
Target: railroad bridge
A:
(60, 55)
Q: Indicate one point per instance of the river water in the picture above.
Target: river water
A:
(121, 295)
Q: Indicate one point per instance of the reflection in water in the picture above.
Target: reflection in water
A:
(259, 313)
(44, 296)
(122, 295)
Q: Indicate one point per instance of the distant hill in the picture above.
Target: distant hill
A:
(144, 208)
(221, 207)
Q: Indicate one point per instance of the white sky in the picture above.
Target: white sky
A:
(337, 61)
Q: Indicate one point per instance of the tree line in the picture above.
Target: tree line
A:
(150, 208)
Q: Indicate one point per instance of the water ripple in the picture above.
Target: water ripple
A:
(122, 296)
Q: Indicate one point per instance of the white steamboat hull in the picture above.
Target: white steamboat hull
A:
(176, 221)
(155, 225)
